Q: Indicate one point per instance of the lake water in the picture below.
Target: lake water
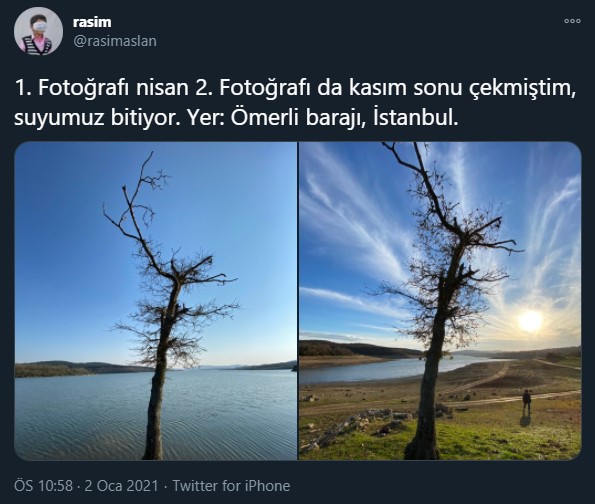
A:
(401, 368)
(206, 415)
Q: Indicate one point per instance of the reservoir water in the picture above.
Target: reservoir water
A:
(207, 415)
(401, 368)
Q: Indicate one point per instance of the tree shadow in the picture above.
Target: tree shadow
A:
(525, 421)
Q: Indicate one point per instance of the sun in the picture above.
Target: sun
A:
(530, 321)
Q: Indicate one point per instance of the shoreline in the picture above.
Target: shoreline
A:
(399, 379)
(340, 360)
(462, 377)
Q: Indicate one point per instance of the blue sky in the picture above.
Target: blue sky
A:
(75, 276)
(356, 230)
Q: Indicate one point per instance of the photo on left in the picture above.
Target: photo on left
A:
(155, 301)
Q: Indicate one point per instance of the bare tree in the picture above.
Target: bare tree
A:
(445, 291)
(164, 328)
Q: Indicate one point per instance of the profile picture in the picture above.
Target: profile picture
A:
(38, 31)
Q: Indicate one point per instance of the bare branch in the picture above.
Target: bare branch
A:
(162, 321)
(442, 286)
(387, 288)
(435, 206)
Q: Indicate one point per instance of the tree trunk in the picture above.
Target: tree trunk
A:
(153, 449)
(423, 446)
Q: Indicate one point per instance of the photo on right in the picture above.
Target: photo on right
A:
(439, 301)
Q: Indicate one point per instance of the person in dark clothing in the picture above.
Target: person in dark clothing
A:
(527, 401)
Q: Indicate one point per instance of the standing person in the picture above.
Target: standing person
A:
(527, 401)
(37, 44)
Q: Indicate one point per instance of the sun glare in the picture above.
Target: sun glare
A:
(530, 321)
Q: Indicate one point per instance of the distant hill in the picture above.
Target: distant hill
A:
(316, 348)
(323, 348)
(278, 365)
(210, 366)
(551, 354)
(66, 368)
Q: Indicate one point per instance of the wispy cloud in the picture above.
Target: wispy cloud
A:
(376, 305)
(386, 328)
(548, 278)
(457, 167)
(350, 222)
(333, 336)
(549, 217)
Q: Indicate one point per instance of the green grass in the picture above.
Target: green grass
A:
(460, 443)
(364, 446)
(489, 432)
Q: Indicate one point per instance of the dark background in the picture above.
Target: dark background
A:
(370, 41)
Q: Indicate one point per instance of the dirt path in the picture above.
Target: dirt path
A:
(338, 408)
(511, 399)
(469, 385)
(559, 365)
